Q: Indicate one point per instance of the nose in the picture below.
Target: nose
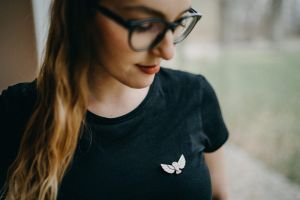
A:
(166, 48)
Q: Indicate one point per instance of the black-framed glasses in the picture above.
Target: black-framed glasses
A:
(145, 34)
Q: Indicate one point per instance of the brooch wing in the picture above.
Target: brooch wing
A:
(181, 162)
(168, 168)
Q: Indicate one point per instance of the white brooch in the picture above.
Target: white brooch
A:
(176, 166)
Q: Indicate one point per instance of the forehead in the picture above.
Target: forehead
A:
(170, 8)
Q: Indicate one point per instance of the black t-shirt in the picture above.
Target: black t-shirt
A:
(120, 158)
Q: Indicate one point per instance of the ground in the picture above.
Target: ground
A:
(250, 179)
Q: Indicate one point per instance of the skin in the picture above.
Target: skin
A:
(216, 166)
(117, 86)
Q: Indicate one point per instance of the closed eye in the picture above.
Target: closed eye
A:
(149, 27)
(144, 27)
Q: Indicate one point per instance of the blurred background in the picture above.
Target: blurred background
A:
(250, 53)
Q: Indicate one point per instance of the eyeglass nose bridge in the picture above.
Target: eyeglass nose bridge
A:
(172, 26)
(160, 37)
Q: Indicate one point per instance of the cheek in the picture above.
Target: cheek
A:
(112, 38)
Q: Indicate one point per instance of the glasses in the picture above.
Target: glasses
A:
(145, 34)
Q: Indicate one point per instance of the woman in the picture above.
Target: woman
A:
(103, 120)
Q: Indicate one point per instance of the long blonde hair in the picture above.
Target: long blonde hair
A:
(53, 131)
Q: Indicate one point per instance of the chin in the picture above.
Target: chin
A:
(141, 83)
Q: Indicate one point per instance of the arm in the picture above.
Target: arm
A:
(215, 163)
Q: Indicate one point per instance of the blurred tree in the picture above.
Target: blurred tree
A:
(273, 20)
(273, 23)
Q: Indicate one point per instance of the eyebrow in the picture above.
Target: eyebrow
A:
(150, 11)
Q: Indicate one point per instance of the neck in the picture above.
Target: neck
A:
(110, 98)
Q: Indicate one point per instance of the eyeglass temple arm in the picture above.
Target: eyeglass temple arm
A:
(113, 16)
(192, 10)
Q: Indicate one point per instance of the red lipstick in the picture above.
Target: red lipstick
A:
(149, 69)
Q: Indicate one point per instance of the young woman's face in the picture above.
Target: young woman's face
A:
(116, 59)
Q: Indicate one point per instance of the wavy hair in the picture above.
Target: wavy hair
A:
(53, 130)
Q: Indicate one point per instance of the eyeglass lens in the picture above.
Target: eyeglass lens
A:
(144, 34)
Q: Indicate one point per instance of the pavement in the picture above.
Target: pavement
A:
(250, 179)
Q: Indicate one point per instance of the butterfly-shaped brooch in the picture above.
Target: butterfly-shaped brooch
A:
(175, 167)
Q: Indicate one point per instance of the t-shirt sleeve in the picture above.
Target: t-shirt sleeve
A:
(214, 127)
(7, 117)
(5, 136)
(16, 103)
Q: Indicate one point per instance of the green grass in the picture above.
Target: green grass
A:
(259, 94)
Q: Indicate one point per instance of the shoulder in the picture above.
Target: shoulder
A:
(16, 105)
(18, 98)
(182, 82)
(19, 89)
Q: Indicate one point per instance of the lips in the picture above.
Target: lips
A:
(149, 69)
